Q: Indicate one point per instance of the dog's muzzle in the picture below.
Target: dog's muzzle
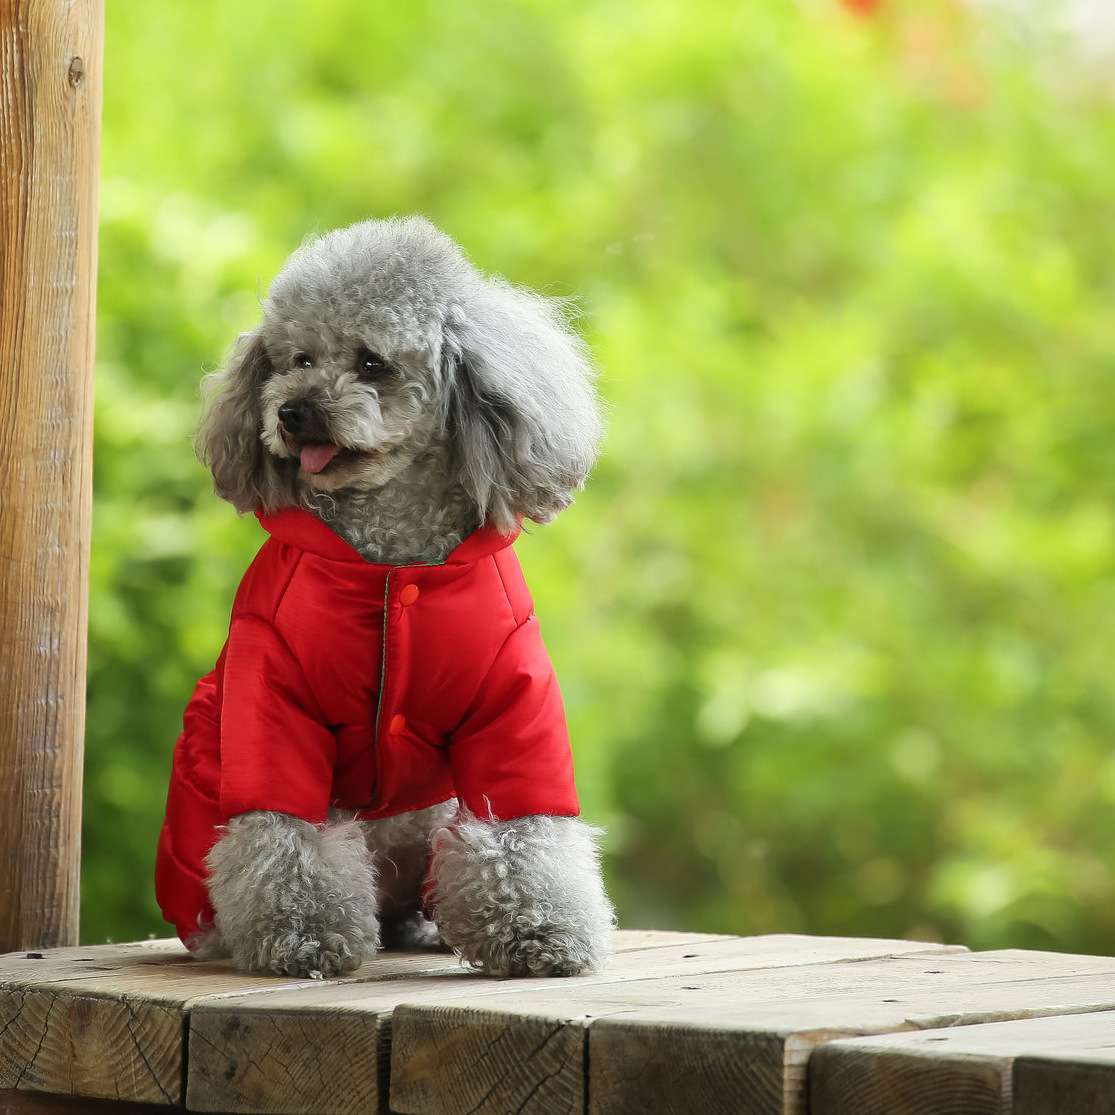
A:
(303, 421)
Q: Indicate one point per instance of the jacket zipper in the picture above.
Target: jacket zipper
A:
(377, 749)
(376, 746)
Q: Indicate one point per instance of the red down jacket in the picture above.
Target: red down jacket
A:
(370, 687)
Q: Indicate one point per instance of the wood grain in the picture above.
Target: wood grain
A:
(35, 1103)
(278, 1063)
(741, 1041)
(708, 1072)
(965, 1068)
(50, 98)
(436, 1039)
(110, 1021)
(95, 1046)
(233, 1041)
(458, 1060)
(632, 961)
(35, 967)
(676, 1023)
(1072, 1070)
(264, 1053)
(1062, 1086)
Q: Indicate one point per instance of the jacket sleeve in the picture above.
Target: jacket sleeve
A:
(276, 751)
(511, 755)
(192, 813)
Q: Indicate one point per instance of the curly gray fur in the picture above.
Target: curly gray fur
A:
(293, 898)
(400, 848)
(489, 373)
(419, 517)
(522, 897)
(482, 409)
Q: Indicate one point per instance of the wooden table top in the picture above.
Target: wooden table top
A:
(677, 1022)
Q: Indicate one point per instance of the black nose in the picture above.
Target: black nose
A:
(293, 416)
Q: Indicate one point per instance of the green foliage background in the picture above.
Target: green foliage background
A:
(834, 617)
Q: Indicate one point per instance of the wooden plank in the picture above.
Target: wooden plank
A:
(1073, 1072)
(1064, 1085)
(34, 968)
(278, 1063)
(676, 1023)
(97, 1047)
(630, 962)
(108, 1021)
(50, 106)
(35, 1103)
(459, 1059)
(170, 976)
(259, 1053)
(965, 1068)
(736, 1041)
(729, 1070)
(326, 1048)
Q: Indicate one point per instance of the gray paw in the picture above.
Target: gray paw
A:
(207, 944)
(545, 953)
(320, 956)
(522, 897)
(292, 898)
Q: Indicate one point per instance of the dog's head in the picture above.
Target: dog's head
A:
(376, 341)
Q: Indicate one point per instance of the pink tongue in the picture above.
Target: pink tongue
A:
(315, 457)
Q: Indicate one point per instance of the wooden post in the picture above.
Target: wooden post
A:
(50, 105)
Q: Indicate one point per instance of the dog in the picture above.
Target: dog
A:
(392, 420)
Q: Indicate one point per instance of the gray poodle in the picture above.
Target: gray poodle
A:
(410, 404)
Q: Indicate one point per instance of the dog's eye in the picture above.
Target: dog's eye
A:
(303, 360)
(371, 363)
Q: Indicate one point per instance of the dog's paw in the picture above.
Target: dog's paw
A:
(292, 898)
(546, 953)
(543, 950)
(207, 944)
(522, 897)
(318, 956)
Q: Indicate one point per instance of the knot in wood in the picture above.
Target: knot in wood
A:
(75, 75)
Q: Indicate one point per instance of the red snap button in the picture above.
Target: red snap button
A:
(398, 723)
(409, 594)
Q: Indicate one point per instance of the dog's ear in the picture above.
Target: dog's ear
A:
(228, 439)
(522, 412)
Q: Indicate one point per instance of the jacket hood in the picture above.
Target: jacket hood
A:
(305, 531)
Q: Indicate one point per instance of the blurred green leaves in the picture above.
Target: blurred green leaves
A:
(833, 617)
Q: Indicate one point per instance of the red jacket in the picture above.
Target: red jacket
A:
(370, 687)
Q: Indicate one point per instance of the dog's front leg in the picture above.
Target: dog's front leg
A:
(293, 898)
(522, 897)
